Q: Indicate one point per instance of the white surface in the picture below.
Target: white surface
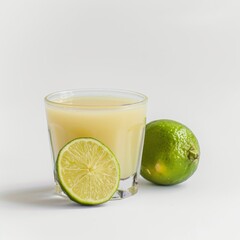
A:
(185, 55)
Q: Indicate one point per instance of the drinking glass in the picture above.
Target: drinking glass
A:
(116, 118)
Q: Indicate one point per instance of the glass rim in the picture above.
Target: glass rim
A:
(131, 94)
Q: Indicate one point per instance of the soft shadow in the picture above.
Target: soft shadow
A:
(41, 197)
(148, 186)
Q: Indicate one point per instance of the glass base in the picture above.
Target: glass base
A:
(127, 187)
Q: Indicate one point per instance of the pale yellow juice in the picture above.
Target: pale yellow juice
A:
(111, 120)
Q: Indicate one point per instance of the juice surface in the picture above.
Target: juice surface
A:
(102, 118)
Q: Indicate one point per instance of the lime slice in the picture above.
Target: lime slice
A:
(88, 172)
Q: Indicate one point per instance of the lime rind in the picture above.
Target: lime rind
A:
(100, 185)
(171, 152)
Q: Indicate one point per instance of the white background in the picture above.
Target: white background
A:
(184, 55)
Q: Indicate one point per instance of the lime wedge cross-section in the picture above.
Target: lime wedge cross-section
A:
(88, 171)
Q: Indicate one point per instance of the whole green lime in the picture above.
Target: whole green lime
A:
(171, 152)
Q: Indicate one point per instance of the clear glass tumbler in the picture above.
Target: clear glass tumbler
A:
(116, 118)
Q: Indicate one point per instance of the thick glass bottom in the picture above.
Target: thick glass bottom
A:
(127, 187)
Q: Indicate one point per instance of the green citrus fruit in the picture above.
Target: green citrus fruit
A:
(88, 172)
(170, 154)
